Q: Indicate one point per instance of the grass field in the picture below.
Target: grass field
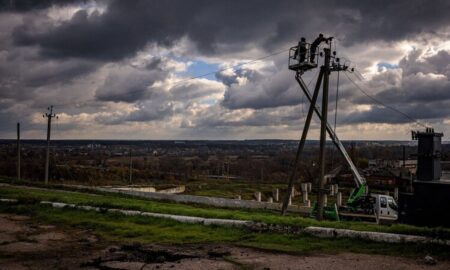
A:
(126, 229)
(123, 202)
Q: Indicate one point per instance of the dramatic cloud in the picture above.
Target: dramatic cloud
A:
(222, 26)
(30, 5)
(116, 66)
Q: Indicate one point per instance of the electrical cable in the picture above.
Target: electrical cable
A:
(337, 97)
(137, 91)
(335, 114)
(385, 105)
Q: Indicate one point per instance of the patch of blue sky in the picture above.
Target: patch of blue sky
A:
(200, 68)
(386, 65)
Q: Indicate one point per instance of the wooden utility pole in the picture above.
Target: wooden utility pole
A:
(18, 151)
(404, 156)
(329, 65)
(323, 133)
(302, 142)
(131, 167)
(49, 116)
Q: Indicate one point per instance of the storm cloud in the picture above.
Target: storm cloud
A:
(222, 26)
(128, 64)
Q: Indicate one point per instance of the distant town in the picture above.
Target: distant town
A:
(143, 162)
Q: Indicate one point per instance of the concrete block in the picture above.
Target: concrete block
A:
(276, 194)
(304, 187)
(339, 199)
(305, 196)
(257, 196)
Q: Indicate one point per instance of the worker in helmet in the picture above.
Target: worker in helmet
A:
(302, 49)
(316, 44)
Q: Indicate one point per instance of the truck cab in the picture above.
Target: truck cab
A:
(385, 208)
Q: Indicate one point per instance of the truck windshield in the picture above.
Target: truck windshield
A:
(392, 204)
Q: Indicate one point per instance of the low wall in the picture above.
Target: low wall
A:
(143, 189)
(316, 231)
(211, 201)
(175, 190)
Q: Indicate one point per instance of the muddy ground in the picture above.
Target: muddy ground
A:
(27, 245)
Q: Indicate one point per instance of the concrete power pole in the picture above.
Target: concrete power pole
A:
(49, 116)
(18, 151)
(323, 133)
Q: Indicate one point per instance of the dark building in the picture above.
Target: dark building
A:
(428, 200)
(428, 155)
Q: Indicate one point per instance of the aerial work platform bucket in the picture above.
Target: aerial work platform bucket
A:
(300, 58)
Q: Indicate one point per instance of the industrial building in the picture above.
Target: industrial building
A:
(427, 200)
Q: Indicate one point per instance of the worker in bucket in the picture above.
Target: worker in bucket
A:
(302, 49)
(316, 44)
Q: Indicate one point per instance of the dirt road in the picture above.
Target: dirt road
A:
(27, 245)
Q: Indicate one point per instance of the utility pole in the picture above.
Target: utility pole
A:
(323, 133)
(49, 116)
(302, 142)
(404, 155)
(300, 65)
(131, 167)
(18, 151)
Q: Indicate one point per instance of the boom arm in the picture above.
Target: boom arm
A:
(360, 181)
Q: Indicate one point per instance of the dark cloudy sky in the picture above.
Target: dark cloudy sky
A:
(119, 69)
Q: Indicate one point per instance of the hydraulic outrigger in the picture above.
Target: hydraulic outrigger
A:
(301, 59)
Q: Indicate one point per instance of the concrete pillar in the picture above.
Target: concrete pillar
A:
(270, 200)
(304, 187)
(336, 188)
(293, 192)
(307, 203)
(238, 197)
(331, 190)
(276, 194)
(305, 196)
(396, 194)
(339, 199)
(258, 196)
(325, 199)
(290, 201)
(309, 187)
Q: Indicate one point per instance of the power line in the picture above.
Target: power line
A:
(336, 101)
(383, 104)
(137, 91)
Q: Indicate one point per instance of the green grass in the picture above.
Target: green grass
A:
(127, 229)
(123, 202)
(229, 189)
